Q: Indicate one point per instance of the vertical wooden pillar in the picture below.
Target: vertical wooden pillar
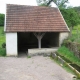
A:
(39, 42)
(39, 36)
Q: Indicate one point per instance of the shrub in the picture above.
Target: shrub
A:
(3, 45)
(2, 52)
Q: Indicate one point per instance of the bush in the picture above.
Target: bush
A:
(2, 52)
(2, 17)
(4, 45)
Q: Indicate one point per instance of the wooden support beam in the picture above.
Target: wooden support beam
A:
(39, 36)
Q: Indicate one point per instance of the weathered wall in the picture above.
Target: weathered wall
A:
(11, 44)
(63, 36)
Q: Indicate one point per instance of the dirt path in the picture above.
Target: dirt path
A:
(34, 68)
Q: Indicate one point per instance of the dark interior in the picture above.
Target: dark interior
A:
(50, 40)
(27, 40)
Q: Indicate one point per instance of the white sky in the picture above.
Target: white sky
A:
(29, 2)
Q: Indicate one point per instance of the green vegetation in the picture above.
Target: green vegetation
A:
(28, 56)
(75, 35)
(71, 17)
(77, 9)
(68, 55)
(59, 3)
(2, 36)
(2, 16)
(68, 69)
(2, 52)
(2, 41)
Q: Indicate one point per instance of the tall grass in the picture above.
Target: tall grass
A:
(2, 40)
(2, 36)
(69, 55)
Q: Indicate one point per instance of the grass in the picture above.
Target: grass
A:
(69, 55)
(68, 69)
(2, 40)
(74, 31)
(2, 52)
(2, 36)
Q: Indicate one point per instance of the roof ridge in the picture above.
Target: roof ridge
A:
(29, 5)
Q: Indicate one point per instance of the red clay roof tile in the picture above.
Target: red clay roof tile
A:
(22, 18)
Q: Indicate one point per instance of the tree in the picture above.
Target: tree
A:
(42, 2)
(59, 3)
(2, 19)
(77, 9)
(71, 17)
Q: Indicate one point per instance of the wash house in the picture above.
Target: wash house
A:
(30, 27)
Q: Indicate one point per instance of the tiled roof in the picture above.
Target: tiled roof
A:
(22, 18)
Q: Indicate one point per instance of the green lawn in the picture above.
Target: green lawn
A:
(2, 36)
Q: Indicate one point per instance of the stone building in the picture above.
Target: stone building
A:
(30, 27)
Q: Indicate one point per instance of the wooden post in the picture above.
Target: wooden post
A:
(39, 36)
(39, 42)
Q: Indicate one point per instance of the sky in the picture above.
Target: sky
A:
(29, 2)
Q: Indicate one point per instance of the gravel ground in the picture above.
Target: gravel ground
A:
(34, 68)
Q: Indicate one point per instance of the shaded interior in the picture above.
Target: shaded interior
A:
(27, 40)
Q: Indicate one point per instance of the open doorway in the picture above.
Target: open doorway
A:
(27, 40)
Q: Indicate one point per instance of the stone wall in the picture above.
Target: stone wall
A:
(62, 37)
(74, 47)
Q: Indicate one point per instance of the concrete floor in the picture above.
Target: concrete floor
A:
(34, 68)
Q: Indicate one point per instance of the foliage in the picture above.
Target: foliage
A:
(71, 17)
(59, 3)
(2, 52)
(69, 55)
(42, 2)
(75, 34)
(2, 16)
(4, 45)
(2, 36)
(2, 41)
(77, 9)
